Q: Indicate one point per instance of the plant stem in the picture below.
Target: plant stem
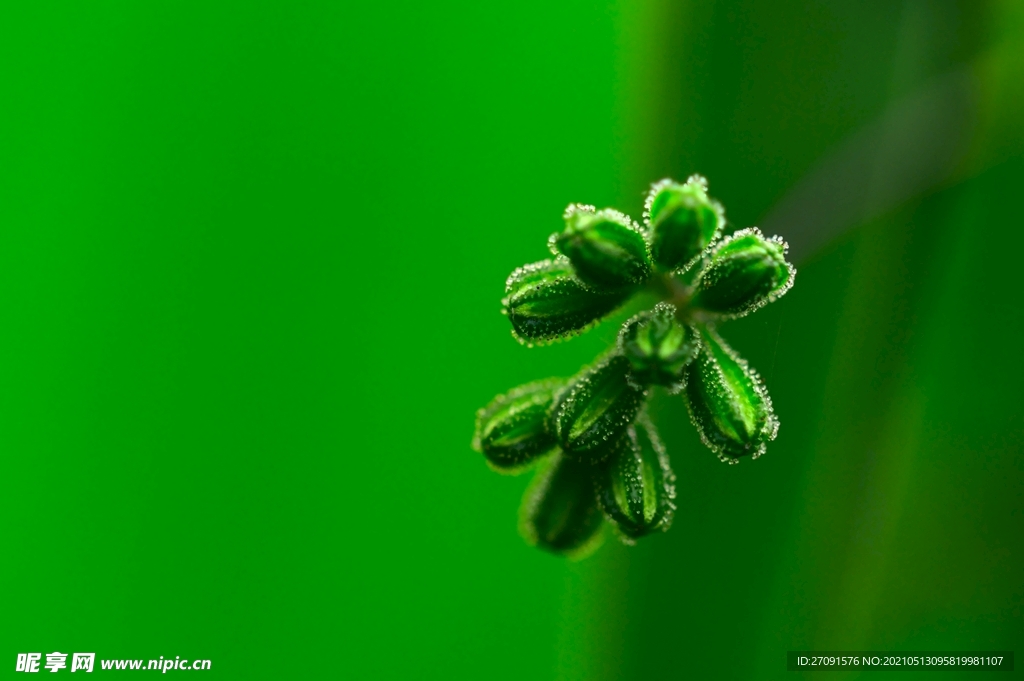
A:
(671, 289)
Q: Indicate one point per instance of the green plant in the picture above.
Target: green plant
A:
(599, 453)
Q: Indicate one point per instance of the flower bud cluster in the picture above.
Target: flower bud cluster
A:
(599, 455)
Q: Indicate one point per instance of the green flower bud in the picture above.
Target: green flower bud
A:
(591, 415)
(546, 302)
(512, 430)
(658, 347)
(636, 489)
(606, 249)
(559, 511)
(728, 402)
(744, 272)
(681, 221)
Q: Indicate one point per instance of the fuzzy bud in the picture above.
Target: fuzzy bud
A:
(658, 346)
(559, 512)
(728, 402)
(513, 429)
(593, 412)
(545, 301)
(682, 221)
(636, 489)
(745, 272)
(605, 248)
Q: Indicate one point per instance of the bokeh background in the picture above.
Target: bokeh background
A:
(250, 262)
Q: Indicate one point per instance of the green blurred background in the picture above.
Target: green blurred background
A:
(250, 262)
